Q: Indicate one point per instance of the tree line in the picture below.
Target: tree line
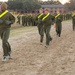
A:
(28, 5)
(32, 5)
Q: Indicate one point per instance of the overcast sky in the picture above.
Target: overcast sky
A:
(3, 0)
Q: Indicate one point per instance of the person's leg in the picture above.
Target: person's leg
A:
(19, 21)
(5, 43)
(57, 32)
(39, 31)
(48, 37)
(38, 28)
(73, 26)
(59, 29)
(41, 34)
(29, 23)
(22, 23)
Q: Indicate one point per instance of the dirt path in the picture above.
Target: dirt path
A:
(31, 58)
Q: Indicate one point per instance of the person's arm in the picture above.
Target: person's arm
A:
(60, 18)
(11, 18)
(53, 19)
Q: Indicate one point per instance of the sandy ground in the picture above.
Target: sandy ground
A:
(31, 58)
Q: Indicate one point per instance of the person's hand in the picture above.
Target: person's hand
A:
(1, 21)
(54, 25)
(8, 22)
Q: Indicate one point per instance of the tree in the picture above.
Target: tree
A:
(70, 6)
(14, 5)
(24, 4)
(31, 5)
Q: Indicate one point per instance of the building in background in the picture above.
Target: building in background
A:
(54, 7)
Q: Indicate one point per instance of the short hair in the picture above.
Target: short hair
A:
(41, 9)
(47, 9)
(4, 5)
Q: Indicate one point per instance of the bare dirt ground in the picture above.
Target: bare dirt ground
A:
(31, 58)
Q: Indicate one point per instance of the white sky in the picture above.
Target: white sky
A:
(3, 0)
(62, 1)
